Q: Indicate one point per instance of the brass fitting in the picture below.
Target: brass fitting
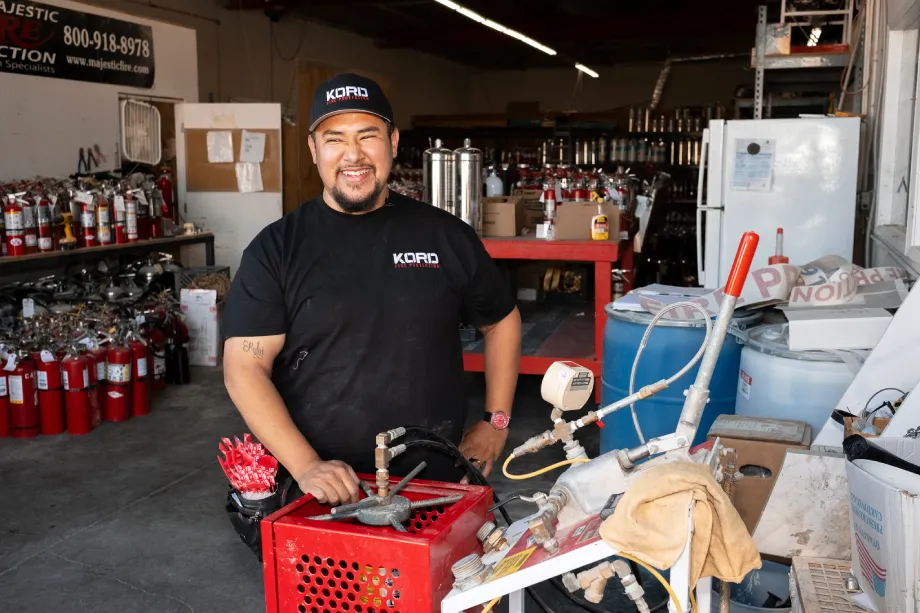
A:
(594, 581)
(535, 444)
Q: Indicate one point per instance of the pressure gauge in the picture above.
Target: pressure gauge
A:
(567, 386)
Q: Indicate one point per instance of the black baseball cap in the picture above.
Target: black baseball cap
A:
(349, 93)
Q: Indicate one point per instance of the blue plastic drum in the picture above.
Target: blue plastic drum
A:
(671, 345)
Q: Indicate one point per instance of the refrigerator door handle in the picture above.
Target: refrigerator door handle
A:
(701, 181)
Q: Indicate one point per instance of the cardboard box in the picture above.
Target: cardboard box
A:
(533, 217)
(829, 329)
(201, 316)
(885, 518)
(502, 216)
(573, 220)
(760, 442)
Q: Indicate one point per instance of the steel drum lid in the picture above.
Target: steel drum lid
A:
(773, 339)
(741, 321)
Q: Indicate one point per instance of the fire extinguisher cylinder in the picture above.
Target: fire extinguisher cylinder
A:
(118, 384)
(77, 394)
(23, 399)
(50, 393)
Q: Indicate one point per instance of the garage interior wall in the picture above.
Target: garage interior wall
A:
(237, 63)
(241, 58)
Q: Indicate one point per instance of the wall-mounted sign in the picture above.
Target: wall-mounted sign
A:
(42, 40)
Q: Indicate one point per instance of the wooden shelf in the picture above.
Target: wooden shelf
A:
(54, 259)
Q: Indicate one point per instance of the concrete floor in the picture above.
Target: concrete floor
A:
(130, 518)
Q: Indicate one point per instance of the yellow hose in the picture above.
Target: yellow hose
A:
(538, 472)
(693, 601)
(663, 582)
(491, 605)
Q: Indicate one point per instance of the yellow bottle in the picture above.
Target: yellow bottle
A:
(600, 228)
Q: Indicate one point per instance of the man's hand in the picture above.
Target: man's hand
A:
(331, 482)
(483, 444)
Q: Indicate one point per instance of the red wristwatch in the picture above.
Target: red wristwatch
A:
(499, 420)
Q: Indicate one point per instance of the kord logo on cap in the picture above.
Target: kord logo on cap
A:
(340, 94)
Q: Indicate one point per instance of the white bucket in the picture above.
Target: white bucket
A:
(782, 384)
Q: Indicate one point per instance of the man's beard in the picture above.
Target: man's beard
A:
(362, 205)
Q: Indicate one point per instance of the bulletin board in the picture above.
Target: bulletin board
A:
(204, 176)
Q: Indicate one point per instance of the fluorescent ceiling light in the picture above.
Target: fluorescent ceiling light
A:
(586, 70)
(496, 26)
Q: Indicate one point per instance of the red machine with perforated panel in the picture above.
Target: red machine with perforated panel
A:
(313, 566)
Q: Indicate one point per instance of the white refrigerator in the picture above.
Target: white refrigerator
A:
(760, 175)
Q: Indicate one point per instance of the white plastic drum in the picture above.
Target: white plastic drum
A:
(782, 384)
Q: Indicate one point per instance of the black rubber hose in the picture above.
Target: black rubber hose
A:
(476, 477)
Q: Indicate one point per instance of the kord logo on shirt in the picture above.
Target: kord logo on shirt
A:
(416, 260)
(340, 94)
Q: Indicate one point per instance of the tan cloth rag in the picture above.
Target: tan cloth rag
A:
(650, 523)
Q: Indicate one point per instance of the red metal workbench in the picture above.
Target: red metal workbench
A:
(602, 253)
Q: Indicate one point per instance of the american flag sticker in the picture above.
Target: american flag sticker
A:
(870, 569)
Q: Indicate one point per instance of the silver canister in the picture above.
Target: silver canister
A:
(579, 159)
(469, 185)
(632, 119)
(646, 119)
(697, 145)
(439, 170)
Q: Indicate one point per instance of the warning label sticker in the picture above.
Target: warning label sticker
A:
(511, 564)
(744, 384)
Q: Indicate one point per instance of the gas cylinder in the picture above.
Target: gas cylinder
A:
(130, 218)
(549, 212)
(140, 387)
(164, 184)
(118, 383)
(45, 231)
(6, 428)
(15, 228)
(76, 391)
(88, 224)
(50, 393)
(143, 216)
(158, 356)
(23, 397)
(98, 388)
(30, 224)
(2, 232)
(103, 221)
(121, 216)
(155, 212)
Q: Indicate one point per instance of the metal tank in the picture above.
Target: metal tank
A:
(439, 170)
(469, 185)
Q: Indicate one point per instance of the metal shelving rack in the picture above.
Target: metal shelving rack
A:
(763, 103)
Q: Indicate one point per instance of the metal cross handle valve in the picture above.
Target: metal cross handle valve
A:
(389, 510)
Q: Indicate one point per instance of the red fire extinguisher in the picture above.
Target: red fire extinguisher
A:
(140, 388)
(549, 211)
(30, 224)
(6, 428)
(88, 222)
(158, 354)
(130, 229)
(77, 393)
(118, 383)
(45, 232)
(97, 388)
(50, 393)
(23, 396)
(103, 221)
(15, 228)
(165, 185)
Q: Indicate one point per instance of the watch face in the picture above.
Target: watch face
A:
(500, 420)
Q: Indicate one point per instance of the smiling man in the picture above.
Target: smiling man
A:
(342, 320)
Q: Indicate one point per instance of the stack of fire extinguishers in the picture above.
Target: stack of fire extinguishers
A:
(254, 487)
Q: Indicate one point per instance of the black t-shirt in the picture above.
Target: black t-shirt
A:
(371, 306)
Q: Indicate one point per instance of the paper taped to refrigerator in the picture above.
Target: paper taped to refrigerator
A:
(753, 164)
(827, 282)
